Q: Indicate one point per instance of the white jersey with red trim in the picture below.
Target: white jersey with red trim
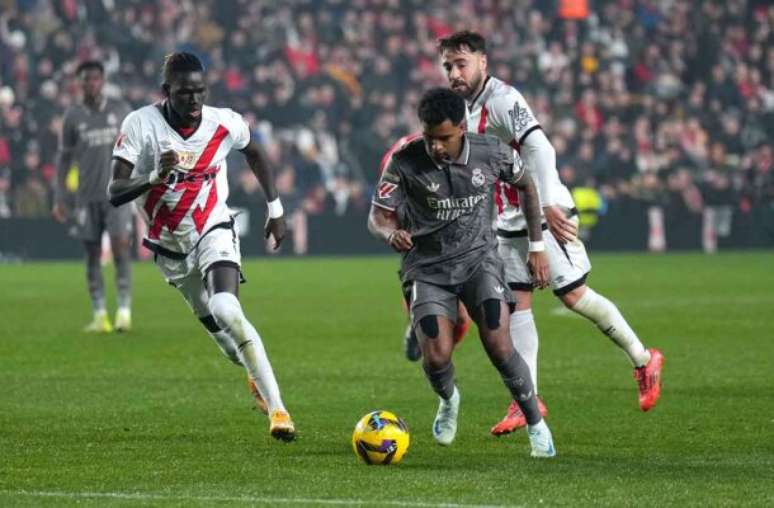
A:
(193, 198)
(501, 111)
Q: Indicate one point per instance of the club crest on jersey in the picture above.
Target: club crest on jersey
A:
(187, 160)
(478, 178)
(433, 186)
(386, 189)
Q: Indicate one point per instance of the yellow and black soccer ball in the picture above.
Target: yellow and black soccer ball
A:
(380, 437)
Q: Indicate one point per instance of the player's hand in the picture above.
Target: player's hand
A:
(59, 213)
(167, 163)
(537, 262)
(563, 229)
(277, 229)
(400, 240)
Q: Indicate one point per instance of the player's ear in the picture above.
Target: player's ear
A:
(165, 89)
(483, 62)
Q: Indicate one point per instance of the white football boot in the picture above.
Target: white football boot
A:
(100, 323)
(123, 322)
(445, 423)
(540, 440)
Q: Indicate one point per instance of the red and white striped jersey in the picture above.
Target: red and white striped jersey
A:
(500, 110)
(193, 199)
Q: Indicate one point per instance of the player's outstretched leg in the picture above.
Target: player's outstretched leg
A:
(228, 314)
(100, 322)
(604, 313)
(227, 346)
(493, 324)
(435, 335)
(524, 337)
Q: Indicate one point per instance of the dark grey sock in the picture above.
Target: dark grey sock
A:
(95, 283)
(124, 281)
(515, 374)
(441, 380)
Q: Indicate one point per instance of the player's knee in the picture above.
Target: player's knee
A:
(571, 298)
(492, 309)
(226, 310)
(435, 360)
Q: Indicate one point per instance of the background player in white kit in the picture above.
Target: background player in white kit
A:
(497, 108)
(171, 157)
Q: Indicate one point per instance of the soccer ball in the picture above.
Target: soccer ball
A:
(380, 437)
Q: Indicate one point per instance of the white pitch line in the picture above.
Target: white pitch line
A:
(150, 496)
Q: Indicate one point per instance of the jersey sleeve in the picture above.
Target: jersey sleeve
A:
(129, 143)
(238, 129)
(510, 113)
(510, 164)
(389, 192)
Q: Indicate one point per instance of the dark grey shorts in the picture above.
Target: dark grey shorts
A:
(94, 218)
(433, 300)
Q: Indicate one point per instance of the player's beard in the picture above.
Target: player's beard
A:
(468, 90)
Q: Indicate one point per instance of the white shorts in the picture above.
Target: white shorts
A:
(568, 263)
(187, 275)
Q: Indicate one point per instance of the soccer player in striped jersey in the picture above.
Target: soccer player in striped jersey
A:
(171, 158)
(496, 108)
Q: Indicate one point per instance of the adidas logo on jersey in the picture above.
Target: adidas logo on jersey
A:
(433, 186)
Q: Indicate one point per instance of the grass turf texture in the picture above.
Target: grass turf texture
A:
(159, 417)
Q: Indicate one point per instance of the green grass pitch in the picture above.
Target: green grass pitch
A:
(158, 417)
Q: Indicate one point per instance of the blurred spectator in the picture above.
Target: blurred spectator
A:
(640, 100)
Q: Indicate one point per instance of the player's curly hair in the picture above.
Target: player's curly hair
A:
(440, 104)
(464, 39)
(177, 62)
(89, 65)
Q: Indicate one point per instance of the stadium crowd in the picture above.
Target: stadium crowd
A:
(654, 100)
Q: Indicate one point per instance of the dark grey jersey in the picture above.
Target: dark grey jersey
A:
(88, 135)
(448, 209)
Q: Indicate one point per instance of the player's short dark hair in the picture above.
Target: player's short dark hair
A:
(464, 39)
(90, 65)
(175, 63)
(440, 104)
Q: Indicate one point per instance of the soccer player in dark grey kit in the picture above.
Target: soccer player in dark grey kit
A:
(90, 129)
(444, 186)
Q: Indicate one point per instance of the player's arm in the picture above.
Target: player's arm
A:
(275, 222)
(383, 224)
(540, 157)
(382, 218)
(537, 261)
(513, 115)
(67, 142)
(123, 189)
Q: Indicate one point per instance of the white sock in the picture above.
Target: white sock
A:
(227, 345)
(525, 340)
(608, 318)
(227, 311)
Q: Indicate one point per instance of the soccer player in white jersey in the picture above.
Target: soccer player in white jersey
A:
(171, 158)
(497, 108)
